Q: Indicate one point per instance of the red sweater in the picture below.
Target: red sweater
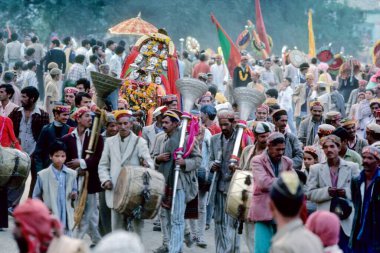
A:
(7, 135)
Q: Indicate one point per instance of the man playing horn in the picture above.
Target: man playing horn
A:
(125, 148)
(77, 143)
(187, 187)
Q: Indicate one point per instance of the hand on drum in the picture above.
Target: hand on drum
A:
(215, 167)
(73, 164)
(233, 167)
(164, 157)
(180, 162)
(108, 185)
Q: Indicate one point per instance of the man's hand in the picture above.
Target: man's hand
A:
(164, 157)
(108, 185)
(73, 195)
(180, 162)
(233, 167)
(333, 192)
(73, 164)
(215, 167)
(341, 193)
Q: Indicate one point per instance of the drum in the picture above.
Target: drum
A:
(296, 58)
(240, 194)
(14, 167)
(138, 192)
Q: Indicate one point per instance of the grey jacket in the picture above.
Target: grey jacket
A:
(293, 150)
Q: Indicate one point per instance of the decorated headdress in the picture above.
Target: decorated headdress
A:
(169, 98)
(315, 103)
(333, 115)
(122, 113)
(71, 90)
(80, 111)
(325, 129)
(225, 114)
(159, 111)
(62, 108)
(264, 107)
(274, 136)
(373, 127)
(347, 121)
(312, 151)
(270, 101)
(172, 114)
(262, 127)
(372, 150)
(335, 139)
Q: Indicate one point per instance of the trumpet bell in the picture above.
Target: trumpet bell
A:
(248, 100)
(191, 89)
(104, 85)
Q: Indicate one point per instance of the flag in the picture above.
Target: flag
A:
(311, 35)
(231, 53)
(260, 27)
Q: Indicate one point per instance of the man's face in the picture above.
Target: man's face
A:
(362, 85)
(3, 94)
(69, 99)
(218, 60)
(267, 65)
(331, 149)
(173, 105)
(112, 46)
(26, 101)
(168, 126)
(262, 139)
(85, 102)
(204, 117)
(261, 115)
(309, 80)
(374, 107)
(370, 163)
(209, 79)
(281, 123)
(226, 126)
(105, 70)
(316, 112)
(58, 158)
(121, 106)
(243, 62)
(80, 88)
(351, 129)
(125, 125)
(112, 129)
(276, 151)
(205, 101)
(85, 120)
(62, 117)
(368, 95)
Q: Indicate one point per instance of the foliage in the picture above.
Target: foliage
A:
(286, 20)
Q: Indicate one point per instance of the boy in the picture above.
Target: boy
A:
(57, 187)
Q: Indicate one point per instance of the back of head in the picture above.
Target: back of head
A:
(86, 83)
(85, 42)
(203, 57)
(341, 133)
(273, 93)
(67, 40)
(31, 64)
(185, 54)
(109, 43)
(56, 42)
(14, 36)
(119, 50)
(120, 242)
(79, 58)
(325, 225)
(34, 39)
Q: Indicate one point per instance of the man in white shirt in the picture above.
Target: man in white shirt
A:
(110, 48)
(220, 73)
(84, 49)
(91, 67)
(285, 99)
(6, 106)
(12, 52)
(30, 78)
(267, 76)
(116, 62)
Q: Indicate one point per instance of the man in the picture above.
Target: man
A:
(12, 52)
(69, 96)
(347, 84)
(323, 130)
(208, 115)
(373, 134)
(242, 73)
(30, 77)
(220, 73)
(286, 199)
(354, 142)
(333, 118)
(303, 69)
(149, 133)
(222, 144)
(77, 158)
(116, 62)
(84, 48)
(6, 94)
(2, 51)
(266, 168)
(170, 101)
(52, 91)
(28, 121)
(301, 98)
(309, 126)
(267, 76)
(55, 54)
(77, 70)
(261, 114)
(83, 85)
(201, 67)
(277, 71)
(187, 187)
(354, 94)
(346, 153)
(39, 54)
(109, 52)
(365, 190)
(123, 149)
(49, 134)
(69, 52)
(313, 69)
(9, 78)
(293, 148)
(188, 68)
(332, 179)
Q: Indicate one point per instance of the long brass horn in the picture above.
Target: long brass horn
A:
(248, 100)
(191, 89)
(104, 85)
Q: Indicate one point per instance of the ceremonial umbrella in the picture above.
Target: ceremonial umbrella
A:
(133, 26)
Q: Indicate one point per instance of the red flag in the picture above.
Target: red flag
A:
(231, 53)
(260, 27)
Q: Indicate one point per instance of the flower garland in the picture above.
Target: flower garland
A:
(139, 95)
(241, 77)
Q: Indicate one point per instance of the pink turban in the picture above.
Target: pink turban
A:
(325, 225)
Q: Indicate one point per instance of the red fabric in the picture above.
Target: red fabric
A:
(173, 75)
(36, 224)
(247, 135)
(201, 67)
(235, 56)
(129, 60)
(303, 212)
(166, 84)
(7, 135)
(260, 26)
(193, 130)
(325, 225)
(214, 129)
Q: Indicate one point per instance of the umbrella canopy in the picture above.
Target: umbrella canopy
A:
(133, 26)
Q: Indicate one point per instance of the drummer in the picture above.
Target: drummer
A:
(125, 148)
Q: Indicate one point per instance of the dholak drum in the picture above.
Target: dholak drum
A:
(240, 194)
(14, 167)
(138, 192)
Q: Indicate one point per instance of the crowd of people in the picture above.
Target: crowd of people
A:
(313, 148)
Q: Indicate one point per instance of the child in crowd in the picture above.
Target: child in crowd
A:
(56, 186)
(310, 157)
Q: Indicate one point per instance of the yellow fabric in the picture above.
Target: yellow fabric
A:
(311, 35)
